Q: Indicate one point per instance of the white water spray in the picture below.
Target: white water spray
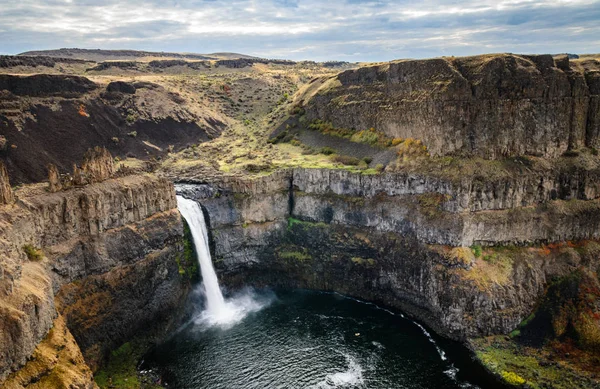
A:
(218, 310)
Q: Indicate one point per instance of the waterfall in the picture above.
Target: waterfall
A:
(192, 213)
(219, 311)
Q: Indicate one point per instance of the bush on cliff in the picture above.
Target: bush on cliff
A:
(346, 160)
(33, 253)
(120, 372)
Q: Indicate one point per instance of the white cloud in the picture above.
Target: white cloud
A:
(346, 29)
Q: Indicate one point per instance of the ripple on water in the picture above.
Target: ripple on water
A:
(302, 339)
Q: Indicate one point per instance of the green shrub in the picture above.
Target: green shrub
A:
(295, 255)
(515, 334)
(120, 371)
(278, 138)
(412, 148)
(346, 160)
(477, 251)
(326, 150)
(132, 134)
(33, 253)
(307, 150)
(298, 111)
(368, 160)
(370, 137)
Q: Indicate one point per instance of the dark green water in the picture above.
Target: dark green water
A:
(304, 339)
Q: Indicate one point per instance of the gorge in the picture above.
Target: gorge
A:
(457, 197)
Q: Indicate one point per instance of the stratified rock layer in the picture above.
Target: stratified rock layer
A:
(490, 106)
(399, 239)
(105, 258)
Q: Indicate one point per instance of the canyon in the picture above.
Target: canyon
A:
(483, 221)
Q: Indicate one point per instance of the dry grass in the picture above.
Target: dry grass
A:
(56, 363)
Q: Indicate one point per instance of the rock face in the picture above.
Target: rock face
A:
(107, 262)
(6, 193)
(570, 310)
(56, 363)
(490, 106)
(54, 180)
(98, 164)
(400, 240)
(8, 61)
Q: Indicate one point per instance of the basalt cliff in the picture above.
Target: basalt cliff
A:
(490, 106)
(463, 191)
(97, 264)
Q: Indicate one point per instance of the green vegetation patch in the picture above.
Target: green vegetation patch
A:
(476, 249)
(120, 371)
(295, 223)
(293, 252)
(431, 203)
(186, 261)
(363, 261)
(370, 136)
(521, 366)
(33, 253)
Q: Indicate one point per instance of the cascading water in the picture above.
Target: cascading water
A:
(192, 213)
(218, 310)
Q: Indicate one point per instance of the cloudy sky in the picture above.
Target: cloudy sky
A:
(351, 30)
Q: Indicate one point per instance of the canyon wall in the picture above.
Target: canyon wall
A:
(490, 106)
(104, 260)
(401, 240)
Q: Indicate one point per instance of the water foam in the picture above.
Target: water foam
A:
(452, 371)
(234, 310)
(351, 377)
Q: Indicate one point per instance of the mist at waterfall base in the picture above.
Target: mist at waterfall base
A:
(301, 339)
(218, 311)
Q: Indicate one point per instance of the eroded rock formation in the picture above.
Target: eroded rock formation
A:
(98, 165)
(54, 179)
(103, 256)
(491, 106)
(6, 193)
(41, 85)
